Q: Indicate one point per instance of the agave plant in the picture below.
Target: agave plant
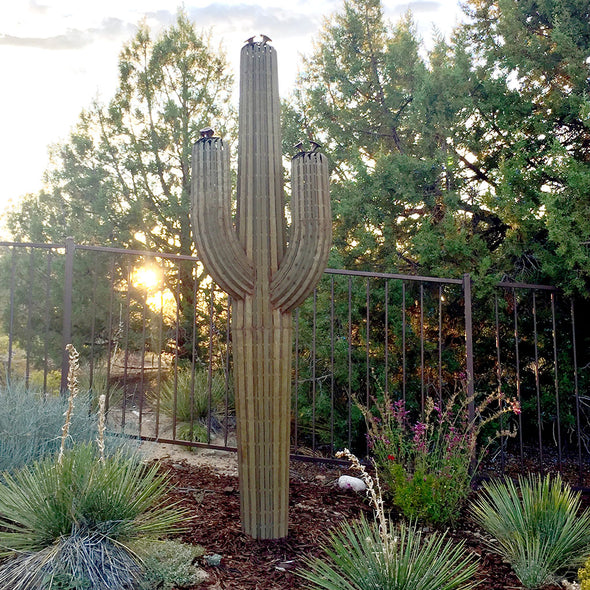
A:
(536, 526)
(360, 558)
(69, 513)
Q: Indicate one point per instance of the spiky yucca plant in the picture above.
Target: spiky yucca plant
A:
(81, 498)
(381, 556)
(536, 526)
(360, 559)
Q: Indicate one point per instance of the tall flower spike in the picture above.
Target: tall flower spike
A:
(265, 276)
(74, 369)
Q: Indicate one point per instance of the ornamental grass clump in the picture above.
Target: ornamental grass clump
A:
(377, 555)
(536, 526)
(427, 465)
(30, 423)
(67, 521)
(186, 398)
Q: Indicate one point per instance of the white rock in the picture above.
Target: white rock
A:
(347, 482)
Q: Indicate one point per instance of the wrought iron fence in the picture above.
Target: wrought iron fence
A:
(153, 333)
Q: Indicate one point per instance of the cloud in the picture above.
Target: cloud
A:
(35, 7)
(110, 29)
(252, 19)
(418, 7)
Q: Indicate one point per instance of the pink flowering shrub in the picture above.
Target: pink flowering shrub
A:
(427, 465)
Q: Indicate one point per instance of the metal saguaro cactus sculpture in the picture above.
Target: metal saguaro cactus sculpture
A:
(265, 274)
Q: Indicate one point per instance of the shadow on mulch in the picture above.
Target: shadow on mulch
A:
(316, 505)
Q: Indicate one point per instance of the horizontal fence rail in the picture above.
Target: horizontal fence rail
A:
(154, 335)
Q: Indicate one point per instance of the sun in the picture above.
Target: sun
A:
(147, 277)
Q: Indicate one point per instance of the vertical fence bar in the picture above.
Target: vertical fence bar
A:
(46, 321)
(576, 393)
(556, 376)
(537, 380)
(126, 346)
(422, 396)
(349, 362)
(440, 300)
(92, 336)
(11, 318)
(517, 361)
(209, 363)
(29, 317)
(404, 341)
(367, 347)
(332, 383)
(67, 311)
(469, 346)
(313, 368)
(386, 339)
(159, 372)
(296, 379)
(176, 344)
(193, 359)
(227, 370)
(110, 336)
(499, 382)
(143, 346)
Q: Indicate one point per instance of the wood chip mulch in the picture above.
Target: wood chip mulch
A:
(316, 505)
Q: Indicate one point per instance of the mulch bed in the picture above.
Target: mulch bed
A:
(316, 505)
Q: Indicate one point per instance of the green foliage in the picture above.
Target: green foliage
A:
(537, 527)
(122, 179)
(125, 168)
(469, 156)
(185, 395)
(82, 560)
(427, 465)
(584, 576)
(169, 564)
(360, 558)
(121, 499)
(30, 425)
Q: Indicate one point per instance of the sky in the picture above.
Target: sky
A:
(58, 56)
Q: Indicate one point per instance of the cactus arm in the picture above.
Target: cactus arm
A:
(309, 247)
(215, 236)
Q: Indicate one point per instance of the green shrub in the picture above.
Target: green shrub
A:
(101, 385)
(359, 558)
(63, 518)
(187, 398)
(427, 464)
(30, 425)
(536, 526)
(584, 575)
(169, 564)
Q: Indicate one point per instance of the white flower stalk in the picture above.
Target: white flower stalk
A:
(73, 371)
(101, 426)
(373, 492)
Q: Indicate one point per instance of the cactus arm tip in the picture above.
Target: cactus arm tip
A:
(215, 236)
(309, 247)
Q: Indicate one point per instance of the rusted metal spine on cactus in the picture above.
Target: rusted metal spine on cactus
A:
(266, 277)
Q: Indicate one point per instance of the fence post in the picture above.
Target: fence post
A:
(67, 311)
(469, 345)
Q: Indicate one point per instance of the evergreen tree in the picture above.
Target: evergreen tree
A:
(470, 157)
(123, 177)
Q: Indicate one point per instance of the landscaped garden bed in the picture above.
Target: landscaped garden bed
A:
(316, 505)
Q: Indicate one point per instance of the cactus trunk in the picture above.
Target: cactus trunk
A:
(265, 277)
(262, 373)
